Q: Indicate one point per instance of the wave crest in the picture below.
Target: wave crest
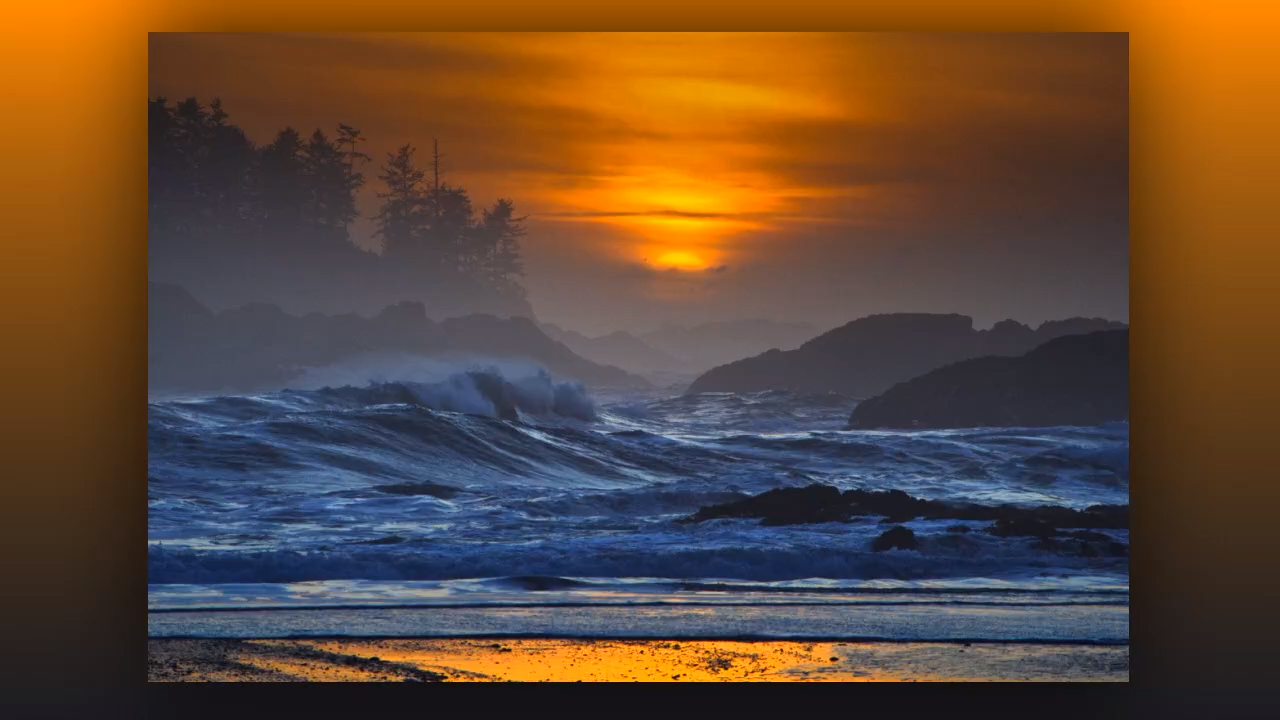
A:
(479, 392)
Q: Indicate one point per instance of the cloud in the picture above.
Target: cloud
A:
(648, 271)
(605, 214)
(832, 172)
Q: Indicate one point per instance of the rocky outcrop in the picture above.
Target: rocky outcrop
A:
(870, 355)
(784, 506)
(895, 538)
(818, 503)
(1073, 380)
(260, 347)
(1049, 528)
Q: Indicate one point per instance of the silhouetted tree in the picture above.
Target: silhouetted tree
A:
(280, 185)
(449, 234)
(401, 216)
(497, 242)
(198, 166)
(348, 139)
(278, 216)
(331, 201)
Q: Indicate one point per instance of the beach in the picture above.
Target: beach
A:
(588, 660)
(561, 550)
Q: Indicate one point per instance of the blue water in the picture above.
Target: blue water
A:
(282, 501)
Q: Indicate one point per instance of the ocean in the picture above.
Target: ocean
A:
(508, 503)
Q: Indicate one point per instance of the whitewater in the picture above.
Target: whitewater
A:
(503, 501)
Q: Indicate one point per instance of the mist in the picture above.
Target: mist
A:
(823, 178)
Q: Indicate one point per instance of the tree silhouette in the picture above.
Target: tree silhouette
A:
(401, 215)
(451, 229)
(198, 168)
(498, 248)
(331, 186)
(280, 187)
(348, 140)
(225, 213)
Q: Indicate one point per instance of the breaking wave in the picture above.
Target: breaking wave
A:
(509, 472)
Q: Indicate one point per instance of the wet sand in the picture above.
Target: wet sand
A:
(579, 660)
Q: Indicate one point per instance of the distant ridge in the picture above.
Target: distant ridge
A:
(1070, 380)
(868, 356)
(710, 344)
(190, 349)
(620, 349)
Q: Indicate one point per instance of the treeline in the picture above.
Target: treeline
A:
(434, 226)
(237, 222)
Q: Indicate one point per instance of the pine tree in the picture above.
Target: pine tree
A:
(198, 168)
(500, 265)
(225, 170)
(452, 228)
(400, 217)
(331, 198)
(221, 207)
(280, 186)
(348, 140)
(449, 221)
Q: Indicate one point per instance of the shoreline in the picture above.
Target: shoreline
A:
(489, 659)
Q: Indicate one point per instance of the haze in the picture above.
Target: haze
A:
(681, 178)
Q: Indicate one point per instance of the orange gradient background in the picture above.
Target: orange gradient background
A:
(1204, 150)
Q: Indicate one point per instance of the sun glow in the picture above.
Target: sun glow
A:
(687, 165)
(681, 260)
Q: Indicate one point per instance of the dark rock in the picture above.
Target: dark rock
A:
(897, 519)
(1022, 527)
(872, 354)
(784, 506)
(818, 503)
(899, 537)
(894, 504)
(388, 540)
(1106, 516)
(1073, 380)
(443, 492)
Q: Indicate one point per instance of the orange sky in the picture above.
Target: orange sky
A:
(698, 176)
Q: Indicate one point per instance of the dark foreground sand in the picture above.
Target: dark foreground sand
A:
(533, 660)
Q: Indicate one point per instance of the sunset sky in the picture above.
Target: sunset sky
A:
(691, 177)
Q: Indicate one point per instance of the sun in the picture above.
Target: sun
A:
(680, 260)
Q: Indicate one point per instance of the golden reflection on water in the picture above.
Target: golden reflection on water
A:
(558, 660)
